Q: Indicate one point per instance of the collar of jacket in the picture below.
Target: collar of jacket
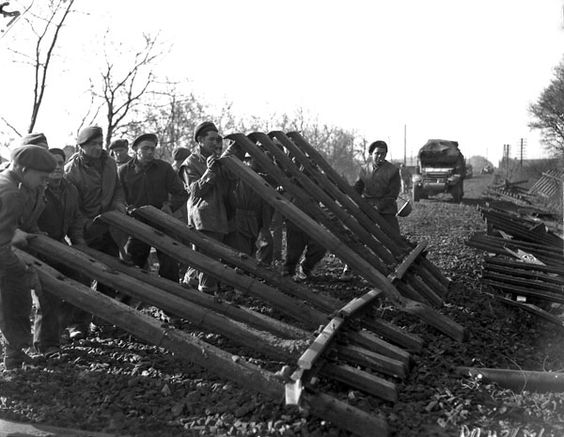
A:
(138, 166)
(92, 162)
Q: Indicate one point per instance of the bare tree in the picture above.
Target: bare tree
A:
(47, 37)
(123, 84)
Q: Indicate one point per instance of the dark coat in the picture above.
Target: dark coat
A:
(380, 185)
(154, 184)
(61, 216)
(97, 182)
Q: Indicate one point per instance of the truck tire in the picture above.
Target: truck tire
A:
(458, 192)
(416, 193)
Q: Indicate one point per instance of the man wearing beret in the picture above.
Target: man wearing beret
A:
(207, 186)
(60, 219)
(380, 184)
(29, 170)
(94, 173)
(119, 150)
(150, 181)
(179, 155)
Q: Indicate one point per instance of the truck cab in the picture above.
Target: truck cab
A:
(441, 168)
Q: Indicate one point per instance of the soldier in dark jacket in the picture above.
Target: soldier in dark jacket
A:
(150, 181)
(208, 186)
(94, 173)
(380, 184)
(119, 150)
(61, 218)
(28, 171)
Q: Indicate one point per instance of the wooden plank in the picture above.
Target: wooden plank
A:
(234, 312)
(522, 291)
(406, 340)
(518, 380)
(179, 231)
(19, 429)
(192, 350)
(195, 314)
(333, 244)
(310, 317)
(361, 380)
(424, 290)
(373, 361)
(375, 344)
(533, 309)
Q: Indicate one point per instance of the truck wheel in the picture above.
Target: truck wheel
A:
(416, 194)
(457, 193)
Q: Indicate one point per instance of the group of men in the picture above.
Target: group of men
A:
(44, 191)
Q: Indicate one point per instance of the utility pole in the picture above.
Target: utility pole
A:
(506, 157)
(405, 144)
(521, 160)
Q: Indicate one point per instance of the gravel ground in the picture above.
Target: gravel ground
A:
(111, 382)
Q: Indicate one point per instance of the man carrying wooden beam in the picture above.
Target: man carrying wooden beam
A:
(207, 186)
(28, 171)
(380, 183)
(149, 181)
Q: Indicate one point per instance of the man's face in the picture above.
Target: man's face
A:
(379, 155)
(93, 148)
(210, 142)
(57, 174)
(34, 179)
(120, 154)
(145, 151)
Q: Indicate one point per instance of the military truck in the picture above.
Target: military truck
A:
(440, 169)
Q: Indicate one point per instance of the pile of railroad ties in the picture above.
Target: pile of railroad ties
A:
(525, 261)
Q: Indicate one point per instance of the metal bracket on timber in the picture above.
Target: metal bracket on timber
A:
(192, 350)
(339, 248)
(364, 381)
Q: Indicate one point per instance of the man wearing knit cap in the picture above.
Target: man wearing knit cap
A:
(61, 220)
(150, 181)
(119, 150)
(29, 170)
(94, 173)
(207, 185)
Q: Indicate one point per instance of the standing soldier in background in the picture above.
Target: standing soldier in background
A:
(179, 155)
(207, 186)
(119, 150)
(94, 174)
(150, 181)
(380, 184)
(61, 218)
(28, 171)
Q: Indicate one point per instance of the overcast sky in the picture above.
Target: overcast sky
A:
(460, 70)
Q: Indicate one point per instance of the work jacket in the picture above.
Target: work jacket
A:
(97, 182)
(380, 185)
(13, 197)
(61, 216)
(208, 190)
(155, 183)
